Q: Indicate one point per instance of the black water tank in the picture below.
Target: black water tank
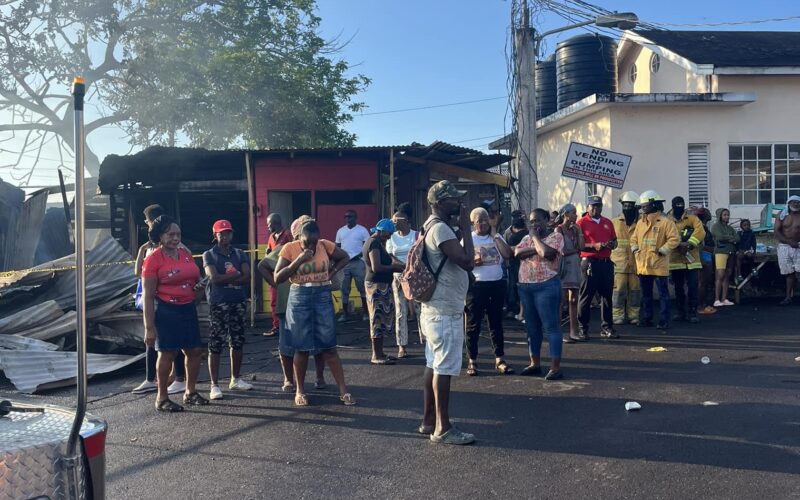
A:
(585, 65)
(546, 87)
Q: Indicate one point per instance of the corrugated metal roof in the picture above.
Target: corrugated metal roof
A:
(19, 343)
(63, 325)
(31, 317)
(30, 371)
(102, 282)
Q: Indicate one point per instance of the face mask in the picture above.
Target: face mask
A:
(678, 212)
(519, 224)
(630, 215)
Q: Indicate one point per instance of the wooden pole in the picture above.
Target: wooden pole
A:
(251, 234)
(391, 183)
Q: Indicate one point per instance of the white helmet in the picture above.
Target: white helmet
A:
(629, 197)
(649, 196)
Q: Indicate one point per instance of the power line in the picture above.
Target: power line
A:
(430, 107)
(727, 23)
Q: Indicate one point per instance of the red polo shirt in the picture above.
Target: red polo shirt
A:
(277, 239)
(594, 232)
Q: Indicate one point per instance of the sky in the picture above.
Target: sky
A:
(432, 53)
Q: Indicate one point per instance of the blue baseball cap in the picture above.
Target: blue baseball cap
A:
(594, 200)
(385, 225)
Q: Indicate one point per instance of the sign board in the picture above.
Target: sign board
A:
(600, 166)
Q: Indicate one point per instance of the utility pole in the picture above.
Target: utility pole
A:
(524, 165)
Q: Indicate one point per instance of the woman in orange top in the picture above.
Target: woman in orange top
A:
(309, 264)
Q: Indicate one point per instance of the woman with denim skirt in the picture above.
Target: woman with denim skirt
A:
(540, 291)
(309, 264)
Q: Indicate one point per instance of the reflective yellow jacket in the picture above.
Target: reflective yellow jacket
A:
(622, 257)
(652, 241)
(688, 223)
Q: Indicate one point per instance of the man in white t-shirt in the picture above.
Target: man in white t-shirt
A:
(398, 247)
(351, 238)
(487, 294)
(442, 317)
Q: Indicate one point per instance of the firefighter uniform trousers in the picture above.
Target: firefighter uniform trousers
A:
(626, 298)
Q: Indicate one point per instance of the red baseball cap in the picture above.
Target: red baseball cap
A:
(222, 225)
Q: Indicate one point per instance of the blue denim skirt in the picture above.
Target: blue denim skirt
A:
(310, 318)
(176, 326)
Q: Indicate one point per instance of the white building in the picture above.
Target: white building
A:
(711, 116)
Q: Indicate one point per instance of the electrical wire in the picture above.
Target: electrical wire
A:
(725, 23)
(434, 106)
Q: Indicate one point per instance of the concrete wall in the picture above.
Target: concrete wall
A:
(657, 137)
(554, 190)
(670, 77)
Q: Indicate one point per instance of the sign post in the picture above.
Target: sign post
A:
(595, 165)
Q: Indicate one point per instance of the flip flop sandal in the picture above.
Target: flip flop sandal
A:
(287, 387)
(194, 399)
(347, 399)
(426, 429)
(169, 406)
(382, 361)
(503, 368)
(320, 385)
(300, 400)
(472, 370)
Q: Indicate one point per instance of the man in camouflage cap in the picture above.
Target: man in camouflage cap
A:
(441, 318)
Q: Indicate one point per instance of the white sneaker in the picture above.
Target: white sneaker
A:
(216, 392)
(176, 387)
(238, 384)
(727, 302)
(144, 387)
(718, 303)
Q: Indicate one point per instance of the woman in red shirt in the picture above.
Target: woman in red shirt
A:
(171, 282)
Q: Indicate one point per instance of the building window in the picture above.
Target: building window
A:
(655, 63)
(698, 175)
(632, 73)
(763, 173)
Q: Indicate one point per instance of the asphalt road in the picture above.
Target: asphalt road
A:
(727, 429)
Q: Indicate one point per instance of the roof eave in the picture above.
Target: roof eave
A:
(666, 54)
(757, 70)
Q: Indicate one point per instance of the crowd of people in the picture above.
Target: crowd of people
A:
(546, 269)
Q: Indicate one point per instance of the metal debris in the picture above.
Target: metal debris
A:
(32, 371)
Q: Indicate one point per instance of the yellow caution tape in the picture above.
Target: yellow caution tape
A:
(7, 274)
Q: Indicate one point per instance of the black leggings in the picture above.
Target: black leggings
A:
(151, 355)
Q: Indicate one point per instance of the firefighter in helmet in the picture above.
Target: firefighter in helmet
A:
(654, 238)
(684, 262)
(626, 296)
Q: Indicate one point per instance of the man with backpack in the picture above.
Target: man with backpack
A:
(442, 314)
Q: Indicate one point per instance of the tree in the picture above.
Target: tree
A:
(219, 73)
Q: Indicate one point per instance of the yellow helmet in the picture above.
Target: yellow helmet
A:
(629, 197)
(649, 196)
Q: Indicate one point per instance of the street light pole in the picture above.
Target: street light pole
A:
(526, 50)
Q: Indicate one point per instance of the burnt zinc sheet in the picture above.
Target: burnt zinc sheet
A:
(102, 282)
(19, 343)
(11, 199)
(27, 230)
(158, 165)
(455, 155)
(731, 48)
(54, 240)
(31, 317)
(30, 371)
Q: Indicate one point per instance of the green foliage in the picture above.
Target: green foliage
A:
(222, 73)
